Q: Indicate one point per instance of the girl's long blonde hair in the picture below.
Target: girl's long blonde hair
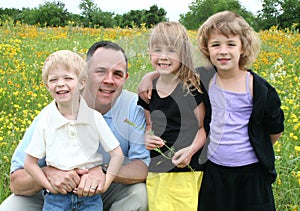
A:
(175, 34)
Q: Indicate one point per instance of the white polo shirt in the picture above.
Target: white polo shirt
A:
(69, 144)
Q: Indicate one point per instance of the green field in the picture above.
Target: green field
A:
(22, 94)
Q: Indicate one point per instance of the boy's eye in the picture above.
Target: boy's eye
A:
(52, 80)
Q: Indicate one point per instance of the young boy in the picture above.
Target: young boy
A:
(69, 133)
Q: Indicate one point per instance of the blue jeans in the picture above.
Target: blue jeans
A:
(72, 202)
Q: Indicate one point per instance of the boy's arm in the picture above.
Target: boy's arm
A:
(32, 167)
(114, 166)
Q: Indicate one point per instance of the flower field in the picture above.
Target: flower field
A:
(23, 50)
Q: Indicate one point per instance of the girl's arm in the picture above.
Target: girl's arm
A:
(275, 137)
(114, 166)
(151, 141)
(183, 157)
(32, 167)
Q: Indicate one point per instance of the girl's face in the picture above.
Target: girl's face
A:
(63, 85)
(165, 59)
(225, 52)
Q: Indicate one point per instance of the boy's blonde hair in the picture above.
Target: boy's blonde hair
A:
(175, 34)
(229, 23)
(71, 61)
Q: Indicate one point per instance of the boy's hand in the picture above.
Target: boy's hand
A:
(62, 181)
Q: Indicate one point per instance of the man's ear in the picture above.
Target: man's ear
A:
(127, 75)
(82, 84)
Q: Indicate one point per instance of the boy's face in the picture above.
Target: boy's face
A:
(106, 77)
(225, 52)
(63, 85)
(165, 59)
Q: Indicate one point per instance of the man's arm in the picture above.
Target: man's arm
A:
(136, 170)
(133, 172)
(21, 183)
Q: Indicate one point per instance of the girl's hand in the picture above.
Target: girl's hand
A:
(152, 141)
(182, 158)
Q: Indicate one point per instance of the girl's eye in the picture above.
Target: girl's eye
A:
(156, 50)
(172, 50)
(214, 45)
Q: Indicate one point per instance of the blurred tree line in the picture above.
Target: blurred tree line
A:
(280, 13)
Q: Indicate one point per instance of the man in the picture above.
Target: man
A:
(107, 73)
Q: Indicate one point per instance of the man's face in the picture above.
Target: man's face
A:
(106, 78)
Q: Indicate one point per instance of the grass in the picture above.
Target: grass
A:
(23, 50)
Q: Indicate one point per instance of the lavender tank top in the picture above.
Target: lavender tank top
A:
(229, 140)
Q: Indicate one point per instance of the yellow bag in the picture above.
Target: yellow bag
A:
(173, 191)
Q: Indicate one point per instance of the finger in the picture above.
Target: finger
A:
(82, 171)
(92, 191)
(149, 94)
(63, 191)
(69, 188)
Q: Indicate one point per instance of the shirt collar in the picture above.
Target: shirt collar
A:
(86, 115)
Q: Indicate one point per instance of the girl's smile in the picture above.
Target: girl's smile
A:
(225, 51)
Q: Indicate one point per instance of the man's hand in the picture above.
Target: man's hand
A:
(63, 181)
(145, 86)
(91, 183)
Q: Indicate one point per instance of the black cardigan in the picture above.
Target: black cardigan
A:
(266, 118)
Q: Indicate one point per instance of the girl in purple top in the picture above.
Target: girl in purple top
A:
(246, 120)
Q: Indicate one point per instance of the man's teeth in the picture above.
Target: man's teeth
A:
(106, 91)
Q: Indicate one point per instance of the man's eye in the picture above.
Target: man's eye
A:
(119, 74)
(100, 71)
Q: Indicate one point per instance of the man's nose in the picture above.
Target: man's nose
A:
(108, 77)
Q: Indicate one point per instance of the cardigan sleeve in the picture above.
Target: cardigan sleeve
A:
(274, 116)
